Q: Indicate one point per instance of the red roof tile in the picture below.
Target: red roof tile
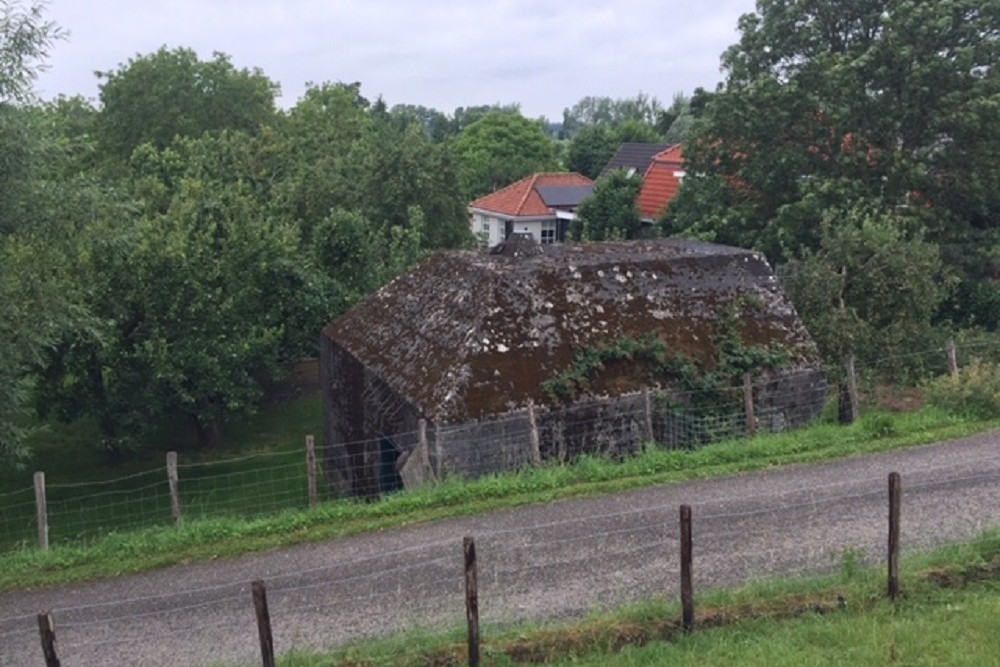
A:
(521, 199)
(661, 182)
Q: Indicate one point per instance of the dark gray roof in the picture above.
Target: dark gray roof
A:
(564, 195)
(464, 335)
(633, 156)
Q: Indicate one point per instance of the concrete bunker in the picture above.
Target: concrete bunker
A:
(466, 341)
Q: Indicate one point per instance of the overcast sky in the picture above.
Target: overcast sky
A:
(544, 54)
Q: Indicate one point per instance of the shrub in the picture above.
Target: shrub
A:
(974, 392)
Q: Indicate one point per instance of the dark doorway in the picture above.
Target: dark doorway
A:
(388, 479)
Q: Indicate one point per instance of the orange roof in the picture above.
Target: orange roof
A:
(661, 182)
(521, 199)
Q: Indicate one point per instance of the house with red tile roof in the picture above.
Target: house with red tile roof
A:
(661, 182)
(541, 205)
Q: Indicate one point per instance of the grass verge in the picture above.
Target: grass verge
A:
(209, 538)
(946, 616)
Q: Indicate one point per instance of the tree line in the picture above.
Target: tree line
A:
(165, 249)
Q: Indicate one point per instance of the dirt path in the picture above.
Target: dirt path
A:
(540, 561)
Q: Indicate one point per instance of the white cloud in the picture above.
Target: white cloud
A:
(545, 54)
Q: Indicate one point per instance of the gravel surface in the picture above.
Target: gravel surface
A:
(541, 561)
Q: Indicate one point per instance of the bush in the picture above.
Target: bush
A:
(974, 392)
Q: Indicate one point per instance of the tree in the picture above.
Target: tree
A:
(25, 40)
(590, 149)
(674, 122)
(156, 97)
(35, 296)
(435, 123)
(871, 288)
(199, 291)
(826, 103)
(323, 145)
(500, 148)
(607, 111)
(463, 117)
(403, 169)
(611, 211)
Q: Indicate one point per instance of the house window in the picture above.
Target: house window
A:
(549, 231)
(484, 231)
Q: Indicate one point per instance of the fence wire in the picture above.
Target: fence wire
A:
(574, 563)
(274, 480)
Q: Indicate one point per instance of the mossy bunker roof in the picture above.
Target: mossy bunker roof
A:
(467, 335)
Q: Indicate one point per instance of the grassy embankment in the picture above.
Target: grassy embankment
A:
(946, 616)
(233, 532)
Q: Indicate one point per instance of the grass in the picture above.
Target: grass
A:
(240, 529)
(946, 616)
(90, 495)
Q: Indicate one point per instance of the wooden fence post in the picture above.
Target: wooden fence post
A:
(48, 634)
(952, 357)
(311, 470)
(175, 497)
(687, 585)
(41, 511)
(647, 404)
(263, 623)
(849, 410)
(748, 405)
(471, 599)
(425, 451)
(534, 441)
(895, 496)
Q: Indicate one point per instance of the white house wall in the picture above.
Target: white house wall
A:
(488, 228)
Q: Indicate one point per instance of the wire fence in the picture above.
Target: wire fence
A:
(281, 479)
(533, 563)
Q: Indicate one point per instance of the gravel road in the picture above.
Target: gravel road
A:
(542, 561)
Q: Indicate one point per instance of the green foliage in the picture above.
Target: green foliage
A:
(500, 148)
(37, 309)
(826, 103)
(872, 287)
(37, 298)
(197, 302)
(706, 379)
(593, 145)
(404, 170)
(878, 425)
(155, 97)
(974, 303)
(590, 149)
(674, 122)
(597, 110)
(25, 40)
(973, 393)
(611, 211)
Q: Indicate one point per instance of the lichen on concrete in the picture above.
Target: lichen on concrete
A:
(469, 336)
